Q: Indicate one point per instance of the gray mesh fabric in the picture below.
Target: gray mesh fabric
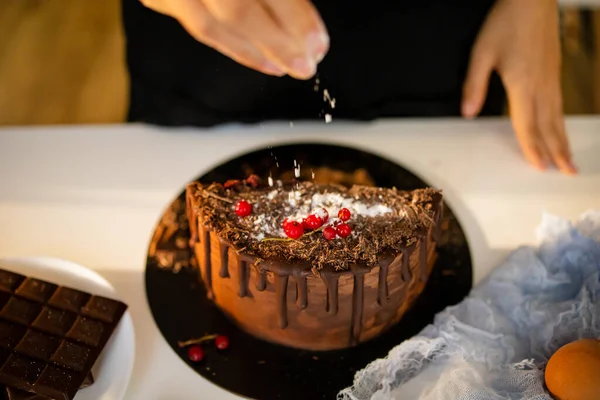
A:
(495, 343)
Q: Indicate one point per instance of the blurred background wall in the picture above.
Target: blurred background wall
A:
(62, 61)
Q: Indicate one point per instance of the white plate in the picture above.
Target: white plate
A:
(114, 367)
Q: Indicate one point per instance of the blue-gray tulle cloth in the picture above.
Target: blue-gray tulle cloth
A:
(495, 343)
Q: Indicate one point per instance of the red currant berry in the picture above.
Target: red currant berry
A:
(195, 353)
(322, 212)
(344, 214)
(294, 230)
(329, 233)
(305, 225)
(313, 221)
(286, 222)
(253, 180)
(243, 208)
(222, 342)
(343, 230)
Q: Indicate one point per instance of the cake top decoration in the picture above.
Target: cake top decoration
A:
(326, 226)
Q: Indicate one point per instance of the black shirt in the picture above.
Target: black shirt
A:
(388, 58)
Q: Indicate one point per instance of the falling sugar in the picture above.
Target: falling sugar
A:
(275, 158)
(291, 124)
(328, 99)
(327, 118)
(296, 169)
(270, 180)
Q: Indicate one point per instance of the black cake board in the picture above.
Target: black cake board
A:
(256, 369)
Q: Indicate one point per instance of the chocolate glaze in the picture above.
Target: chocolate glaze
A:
(205, 233)
(301, 288)
(261, 281)
(406, 253)
(382, 294)
(423, 255)
(358, 299)
(224, 272)
(192, 218)
(330, 278)
(281, 283)
(244, 275)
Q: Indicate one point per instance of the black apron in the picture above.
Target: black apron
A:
(388, 58)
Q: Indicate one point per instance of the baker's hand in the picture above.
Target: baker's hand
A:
(520, 40)
(276, 37)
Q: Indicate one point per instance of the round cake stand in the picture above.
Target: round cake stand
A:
(257, 369)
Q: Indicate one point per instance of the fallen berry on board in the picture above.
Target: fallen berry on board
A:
(222, 342)
(195, 353)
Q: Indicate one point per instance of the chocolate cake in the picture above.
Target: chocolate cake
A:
(285, 264)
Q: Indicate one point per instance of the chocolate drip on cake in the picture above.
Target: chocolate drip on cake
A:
(261, 281)
(192, 219)
(423, 255)
(207, 262)
(382, 286)
(358, 300)
(331, 280)
(437, 230)
(281, 283)
(244, 274)
(406, 274)
(224, 272)
(301, 288)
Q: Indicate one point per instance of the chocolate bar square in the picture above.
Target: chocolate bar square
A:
(36, 290)
(55, 382)
(16, 394)
(87, 330)
(10, 334)
(20, 311)
(101, 308)
(38, 345)
(20, 372)
(9, 281)
(4, 298)
(4, 354)
(69, 299)
(71, 355)
(9, 393)
(57, 322)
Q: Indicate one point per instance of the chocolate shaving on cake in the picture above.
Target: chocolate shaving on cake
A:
(384, 221)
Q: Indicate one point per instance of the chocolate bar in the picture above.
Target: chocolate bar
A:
(9, 393)
(50, 335)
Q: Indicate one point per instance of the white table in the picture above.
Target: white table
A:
(93, 195)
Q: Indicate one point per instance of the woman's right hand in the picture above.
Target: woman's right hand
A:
(276, 37)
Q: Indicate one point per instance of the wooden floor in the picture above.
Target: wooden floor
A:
(62, 62)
